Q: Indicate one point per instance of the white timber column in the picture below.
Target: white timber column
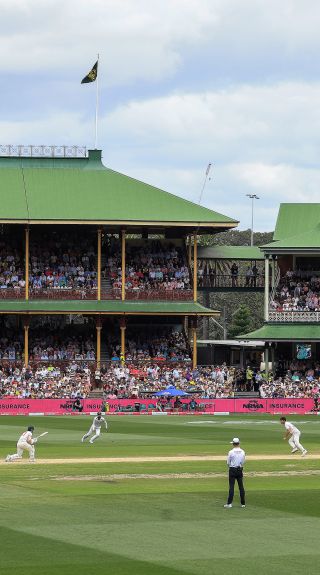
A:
(189, 251)
(27, 263)
(123, 265)
(266, 358)
(266, 288)
(99, 263)
(195, 267)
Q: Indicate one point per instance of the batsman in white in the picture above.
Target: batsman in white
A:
(25, 443)
(95, 428)
(293, 436)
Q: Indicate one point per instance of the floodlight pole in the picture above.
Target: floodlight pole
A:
(252, 198)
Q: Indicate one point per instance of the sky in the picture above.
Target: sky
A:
(182, 83)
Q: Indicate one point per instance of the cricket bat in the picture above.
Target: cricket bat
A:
(42, 434)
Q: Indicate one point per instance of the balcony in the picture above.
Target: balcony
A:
(231, 282)
(92, 294)
(154, 295)
(63, 294)
(12, 293)
(294, 316)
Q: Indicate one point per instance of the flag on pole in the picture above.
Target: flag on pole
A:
(92, 75)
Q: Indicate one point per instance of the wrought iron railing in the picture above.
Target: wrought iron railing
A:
(228, 281)
(63, 294)
(160, 295)
(9, 150)
(12, 293)
(92, 294)
(294, 316)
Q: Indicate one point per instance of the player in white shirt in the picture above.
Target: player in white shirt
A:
(235, 461)
(95, 428)
(25, 443)
(293, 436)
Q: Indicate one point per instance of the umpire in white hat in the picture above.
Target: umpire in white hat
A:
(235, 462)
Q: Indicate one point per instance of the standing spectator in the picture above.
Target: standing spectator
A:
(234, 274)
(255, 273)
(249, 377)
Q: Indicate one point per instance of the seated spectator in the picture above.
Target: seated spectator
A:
(62, 268)
(298, 290)
(154, 267)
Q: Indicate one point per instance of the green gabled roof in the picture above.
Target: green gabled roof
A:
(230, 253)
(284, 332)
(309, 239)
(84, 191)
(296, 219)
(105, 307)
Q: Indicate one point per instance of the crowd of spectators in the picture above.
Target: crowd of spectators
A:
(301, 380)
(11, 349)
(11, 269)
(129, 381)
(45, 382)
(56, 346)
(166, 345)
(298, 290)
(48, 347)
(151, 266)
(61, 262)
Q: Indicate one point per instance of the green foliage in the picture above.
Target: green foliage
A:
(241, 321)
(236, 238)
(228, 303)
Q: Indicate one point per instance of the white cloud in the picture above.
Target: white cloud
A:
(135, 38)
(233, 83)
(262, 140)
(273, 123)
(150, 40)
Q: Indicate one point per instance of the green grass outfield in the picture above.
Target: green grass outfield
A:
(159, 517)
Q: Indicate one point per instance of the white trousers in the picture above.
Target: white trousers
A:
(21, 447)
(93, 430)
(294, 441)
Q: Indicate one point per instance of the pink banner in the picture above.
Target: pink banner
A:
(13, 406)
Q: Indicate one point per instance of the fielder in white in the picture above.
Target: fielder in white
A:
(25, 443)
(293, 436)
(95, 428)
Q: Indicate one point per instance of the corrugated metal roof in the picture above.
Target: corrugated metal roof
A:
(83, 190)
(296, 219)
(309, 239)
(107, 306)
(230, 253)
(284, 332)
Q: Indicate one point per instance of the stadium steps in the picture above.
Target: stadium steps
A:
(106, 285)
(246, 394)
(104, 353)
(96, 394)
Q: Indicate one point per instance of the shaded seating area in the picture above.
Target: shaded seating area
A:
(230, 268)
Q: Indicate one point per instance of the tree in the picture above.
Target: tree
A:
(241, 322)
(236, 238)
(229, 302)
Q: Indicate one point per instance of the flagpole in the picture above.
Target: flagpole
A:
(97, 106)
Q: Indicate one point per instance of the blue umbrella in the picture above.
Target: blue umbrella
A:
(171, 391)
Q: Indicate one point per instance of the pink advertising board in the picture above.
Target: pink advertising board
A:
(13, 406)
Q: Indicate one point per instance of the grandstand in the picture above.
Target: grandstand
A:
(291, 327)
(87, 253)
